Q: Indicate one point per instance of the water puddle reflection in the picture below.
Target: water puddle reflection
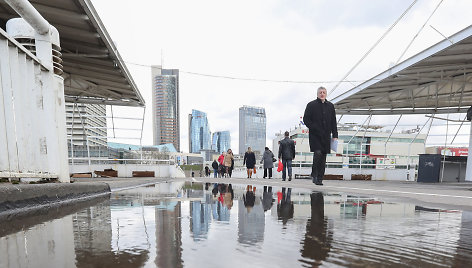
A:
(213, 225)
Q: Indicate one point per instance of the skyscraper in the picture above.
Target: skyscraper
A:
(86, 123)
(221, 141)
(252, 128)
(199, 137)
(165, 106)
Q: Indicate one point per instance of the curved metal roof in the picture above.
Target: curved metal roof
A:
(436, 80)
(94, 71)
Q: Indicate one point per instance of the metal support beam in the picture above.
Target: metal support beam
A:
(30, 15)
(468, 172)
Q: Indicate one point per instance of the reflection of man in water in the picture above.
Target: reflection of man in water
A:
(318, 237)
(285, 207)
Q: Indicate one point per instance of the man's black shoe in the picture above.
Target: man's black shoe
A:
(290, 178)
(314, 180)
(283, 179)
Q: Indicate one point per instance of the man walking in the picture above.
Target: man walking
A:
(320, 118)
(214, 165)
(287, 153)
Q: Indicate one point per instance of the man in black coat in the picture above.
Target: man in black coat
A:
(320, 118)
(287, 153)
(214, 165)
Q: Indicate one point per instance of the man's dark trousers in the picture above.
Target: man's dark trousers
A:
(319, 164)
(287, 167)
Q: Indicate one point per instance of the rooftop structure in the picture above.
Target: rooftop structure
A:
(434, 81)
(94, 71)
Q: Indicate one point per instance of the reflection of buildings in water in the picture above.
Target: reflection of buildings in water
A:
(94, 235)
(463, 256)
(44, 245)
(91, 234)
(347, 206)
(251, 223)
(201, 217)
(168, 234)
(318, 237)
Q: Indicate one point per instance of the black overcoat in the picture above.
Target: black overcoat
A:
(320, 118)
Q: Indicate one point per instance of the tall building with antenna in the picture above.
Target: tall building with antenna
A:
(165, 106)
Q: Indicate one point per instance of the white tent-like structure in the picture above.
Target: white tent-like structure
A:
(94, 71)
(434, 81)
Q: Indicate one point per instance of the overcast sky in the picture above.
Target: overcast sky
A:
(316, 41)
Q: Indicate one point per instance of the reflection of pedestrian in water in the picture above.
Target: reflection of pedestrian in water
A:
(267, 199)
(249, 198)
(285, 208)
(228, 197)
(214, 191)
(317, 242)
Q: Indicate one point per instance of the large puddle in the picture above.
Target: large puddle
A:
(220, 225)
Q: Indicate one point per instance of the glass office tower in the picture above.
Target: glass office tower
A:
(199, 132)
(221, 141)
(252, 129)
(165, 106)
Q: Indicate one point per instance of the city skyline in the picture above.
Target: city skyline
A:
(310, 43)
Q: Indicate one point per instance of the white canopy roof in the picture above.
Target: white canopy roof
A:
(436, 80)
(93, 69)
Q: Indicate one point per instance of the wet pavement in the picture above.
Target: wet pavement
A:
(193, 224)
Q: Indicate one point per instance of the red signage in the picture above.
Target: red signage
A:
(453, 151)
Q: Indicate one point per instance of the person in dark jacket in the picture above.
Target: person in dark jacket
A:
(320, 118)
(230, 172)
(268, 159)
(250, 161)
(214, 165)
(287, 154)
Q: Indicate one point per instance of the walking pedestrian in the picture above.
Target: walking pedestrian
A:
(268, 160)
(227, 161)
(287, 154)
(320, 118)
(221, 160)
(250, 161)
(214, 165)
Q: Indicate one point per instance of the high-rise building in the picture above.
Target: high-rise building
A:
(199, 137)
(165, 106)
(252, 129)
(221, 141)
(86, 123)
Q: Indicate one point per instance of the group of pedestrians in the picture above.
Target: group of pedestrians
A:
(320, 119)
(224, 166)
